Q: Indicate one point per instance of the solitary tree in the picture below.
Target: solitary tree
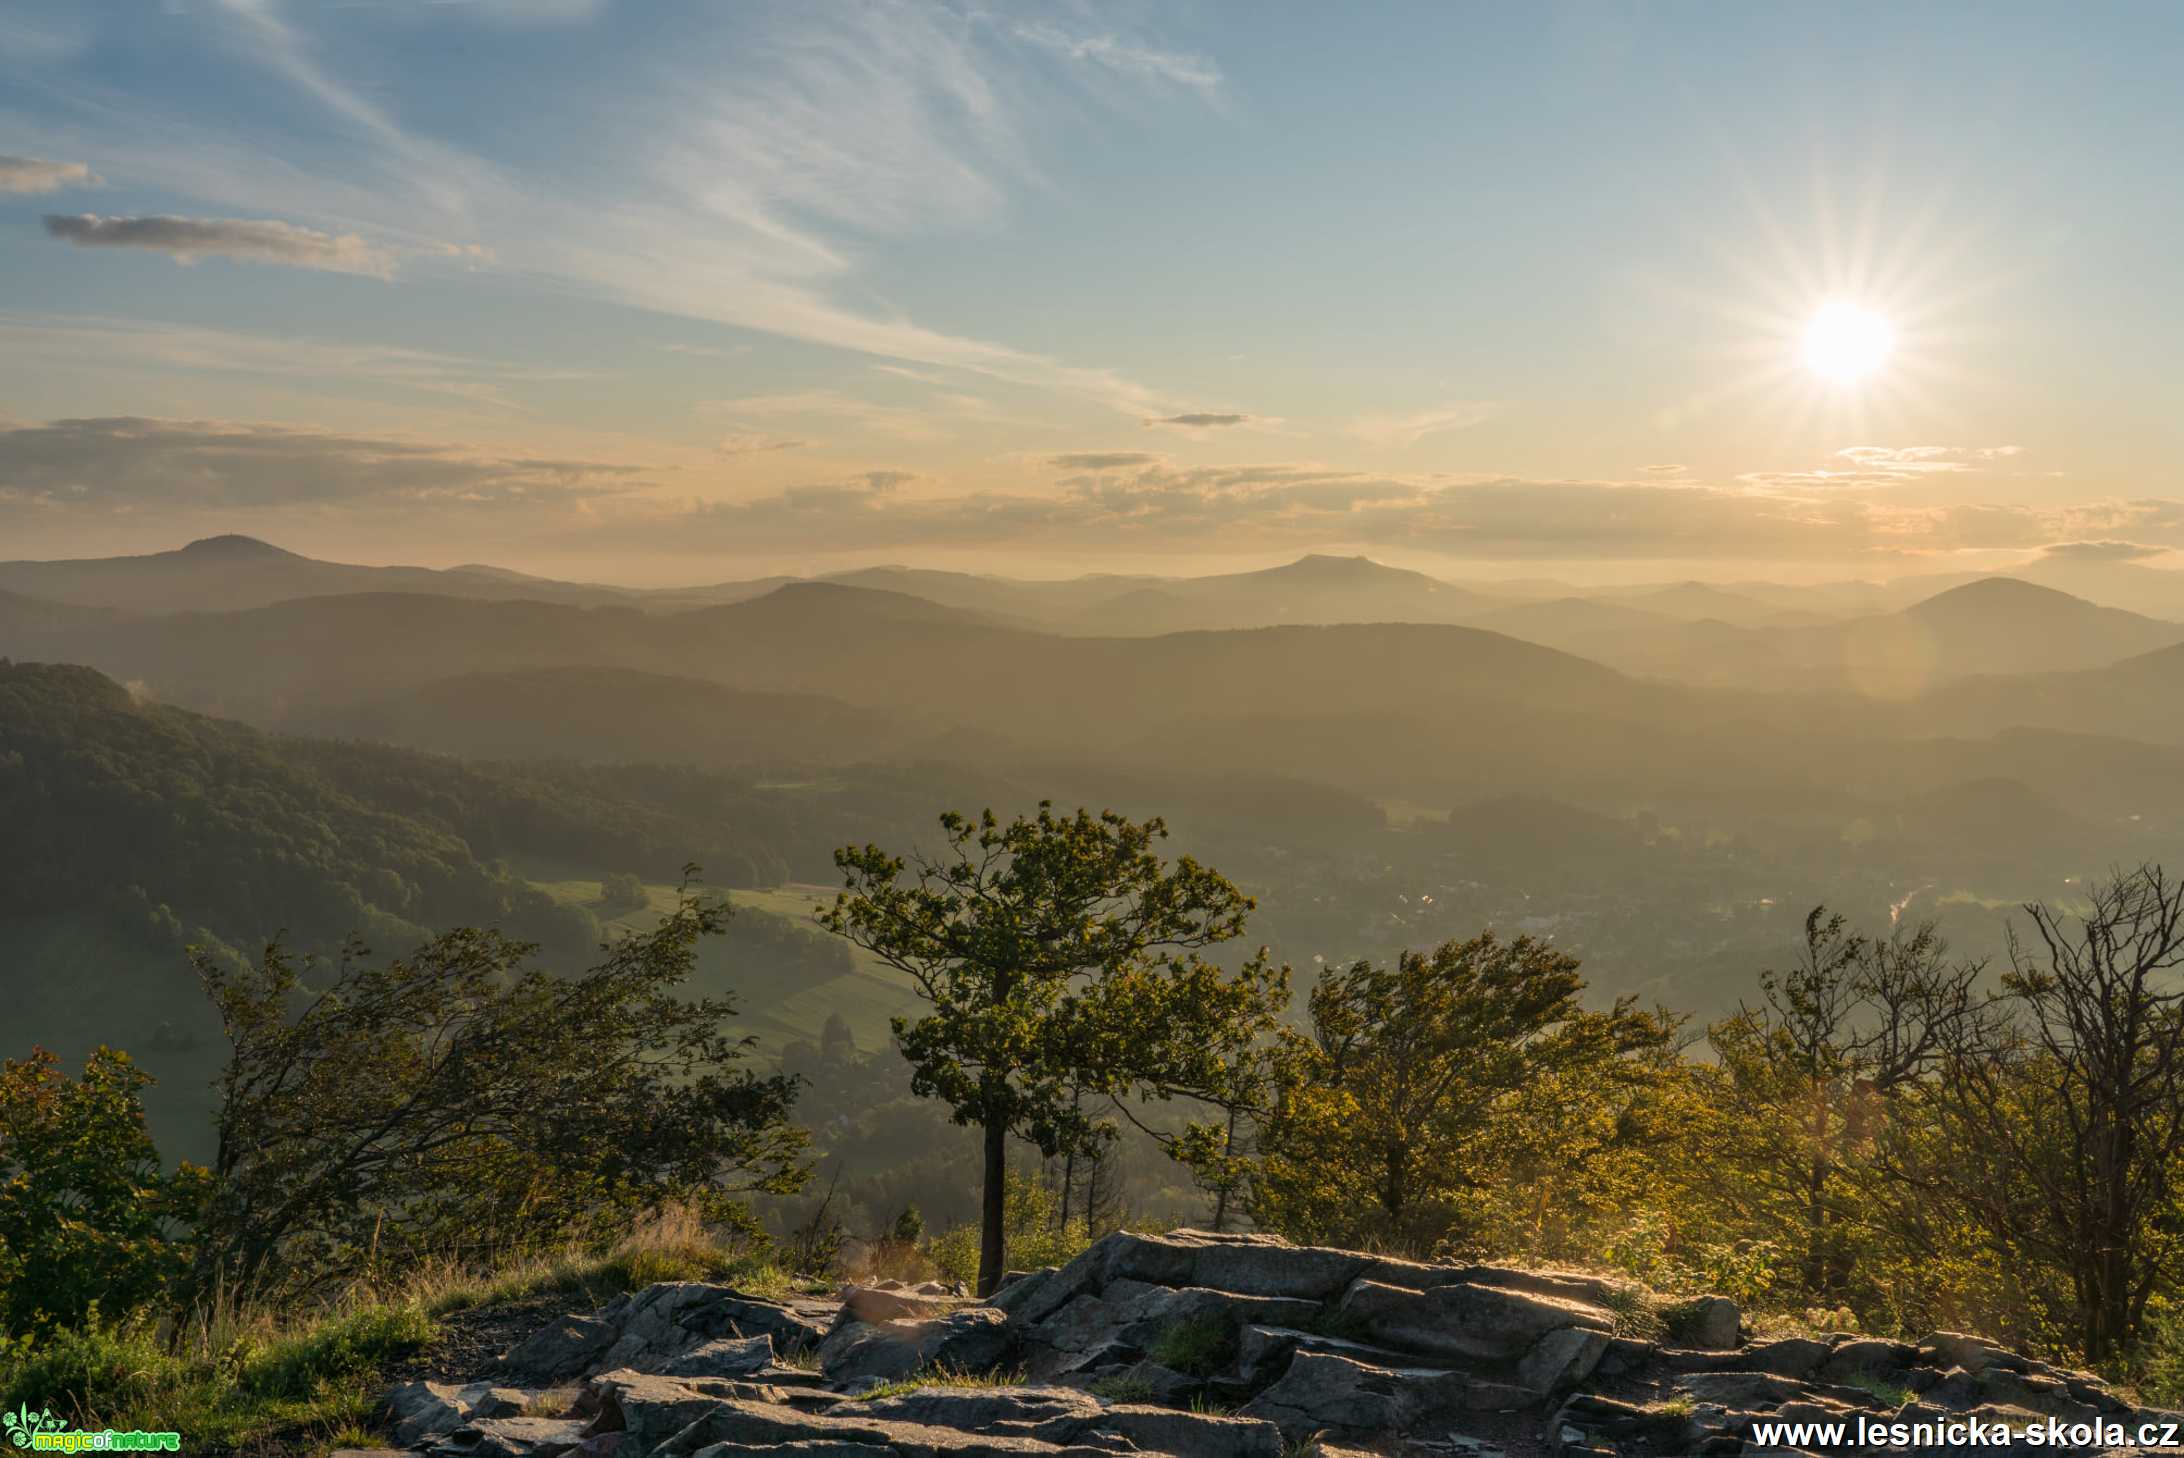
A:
(1059, 958)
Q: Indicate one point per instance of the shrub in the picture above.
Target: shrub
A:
(89, 1221)
(1197, 1347)
(1030, 1229)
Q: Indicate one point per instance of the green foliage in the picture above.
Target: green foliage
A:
(1415, 1084)
(461, 1102)
(1034, 1233)
(1197, 1346)
(621, 893)
(1805, 1080)
(128, 808)
(1059, 957)
(941, 1377)
(88, 1219)
(217, 1385)
(1888, 1394)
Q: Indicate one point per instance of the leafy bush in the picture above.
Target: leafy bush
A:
(88, 1219)
(459, 1101)
(1031, 1230)
(1197, 1347)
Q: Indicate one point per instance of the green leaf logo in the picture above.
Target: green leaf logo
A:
(22, 1423)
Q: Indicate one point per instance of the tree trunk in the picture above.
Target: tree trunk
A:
(991, 1250)
(1069, 1170)
(1228, 1176)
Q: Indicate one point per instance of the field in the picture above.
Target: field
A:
(785, 974)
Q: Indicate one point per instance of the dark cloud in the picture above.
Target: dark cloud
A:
(2103, 551)
(253, 239)
(137, 465)
(33, 174)
(1101, 460)
(1199, 420)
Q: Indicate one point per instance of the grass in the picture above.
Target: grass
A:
(1197, 1347)
(926, 1377)
(671, 1246)
(1889, 1394)
(1683, 1404)
(228, 1377)
(1117, 1387)
(1639, 1314)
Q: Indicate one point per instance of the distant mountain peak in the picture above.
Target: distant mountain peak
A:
(1325, 565)
(234, 547)
(1995, 594)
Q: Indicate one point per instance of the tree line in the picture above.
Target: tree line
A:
(1917, 1139)
(1883, 1131)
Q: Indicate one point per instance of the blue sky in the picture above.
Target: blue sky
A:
(656, 291)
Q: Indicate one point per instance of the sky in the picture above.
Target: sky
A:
(660, 291)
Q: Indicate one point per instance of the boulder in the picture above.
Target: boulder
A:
(1467, 1319)
(1561, 1359)
(565, 1348)
(892, 1303)
(417, 1411)
(973, 1339)
(1322, 1391)
(649, 1329)
(722, 1357)
(512, 1437)
(977, 1423)
(1711, 1323)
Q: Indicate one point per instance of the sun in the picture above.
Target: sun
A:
(1844, 343)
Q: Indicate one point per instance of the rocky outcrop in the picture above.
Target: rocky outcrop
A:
(1200, 1345)
(660, 1324)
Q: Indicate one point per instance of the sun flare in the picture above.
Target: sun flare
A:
(1844, 343)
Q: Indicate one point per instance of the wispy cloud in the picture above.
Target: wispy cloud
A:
(2099, 552)
(255, 240)
(1404, 430)
(1869, 467)
(131, 465)
(772, 146)
(1199, 420)
(127, 344)
(33, 174)
(753, 443)
(837, 408)
(1101, 460)
(1120, 56)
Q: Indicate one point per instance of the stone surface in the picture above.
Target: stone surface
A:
(1202, 1345)
(650, 1327)
(1466, 1319)
(1712, 1323)
(722, 1357)
(976, 1339)
(1562, 1359)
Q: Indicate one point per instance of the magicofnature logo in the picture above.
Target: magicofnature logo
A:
(40, 1431)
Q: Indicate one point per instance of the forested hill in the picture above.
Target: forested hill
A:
(207, 831)
(135, 831)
